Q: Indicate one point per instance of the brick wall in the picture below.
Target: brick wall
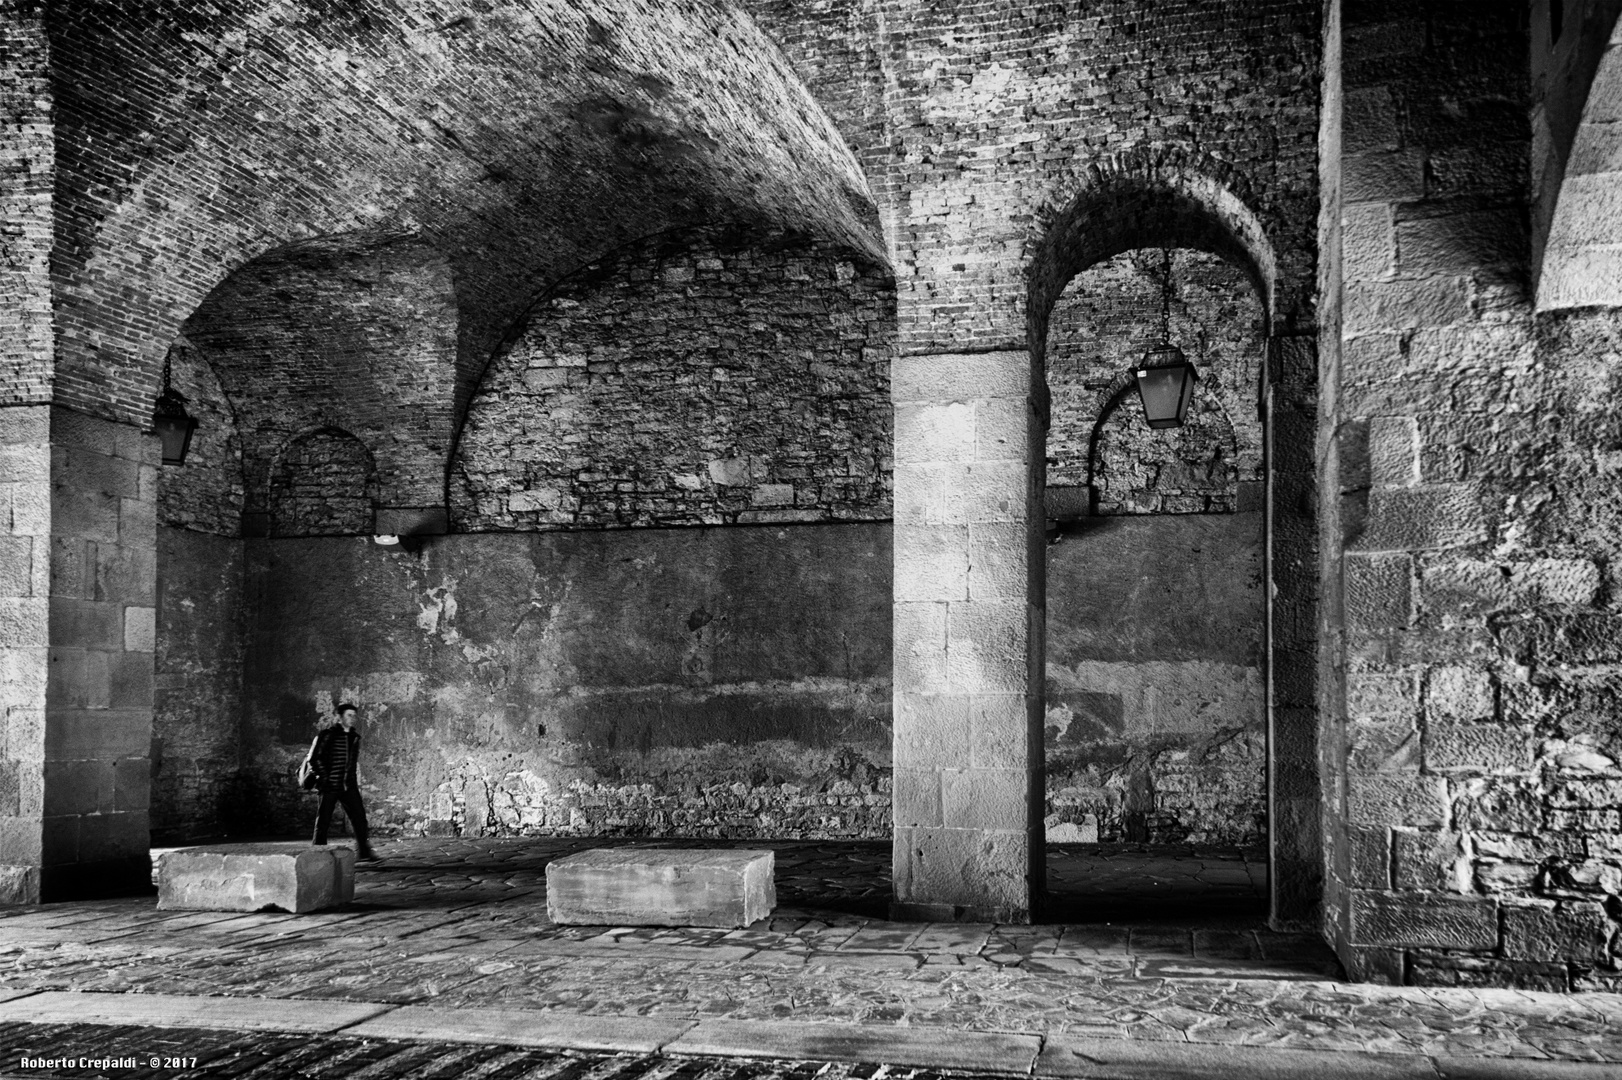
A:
(362, 341)
(701, 378)
(195, 142)
(1105, 320)
(978, 124)
(26, 231)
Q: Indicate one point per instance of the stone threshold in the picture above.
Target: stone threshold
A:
(1062, 1057)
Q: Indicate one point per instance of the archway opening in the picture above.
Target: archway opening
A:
(1155, 686)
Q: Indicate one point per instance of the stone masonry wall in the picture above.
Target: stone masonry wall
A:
(98, 698)
(1105, 320)
(1156, 727)
(643, 682)
(697, 378)
(1477, 529)
(27, 175)
(197, 704)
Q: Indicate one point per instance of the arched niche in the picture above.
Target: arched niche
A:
(322, 483)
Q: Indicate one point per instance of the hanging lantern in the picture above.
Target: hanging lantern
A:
(1165, 378)
(174, 425)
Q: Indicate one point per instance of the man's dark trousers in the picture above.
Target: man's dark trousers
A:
(353, 810)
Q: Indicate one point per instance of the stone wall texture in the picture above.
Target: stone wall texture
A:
(1103, 323)
(706, 377)
(691, 682)
(1155, 720)
(197, 688)
(1474, 531)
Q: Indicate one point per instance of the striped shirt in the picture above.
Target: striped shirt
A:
(344, 745)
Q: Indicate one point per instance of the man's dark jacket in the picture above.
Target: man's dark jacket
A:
(322, 758)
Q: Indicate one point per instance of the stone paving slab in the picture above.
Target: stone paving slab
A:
(1115, 1059)
(614, 1034)
(167, 1010)
(968, 1050)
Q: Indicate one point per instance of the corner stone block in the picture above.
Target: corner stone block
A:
(1575, 933)
(987, 647)
(931, 562)
(919, 493)
(963, 875)
(1418, 920)
(256, 877)
(1381, 695)
(1425, 518)
(987, 800)
(1379, 591)
(959, 377)
(1459, 693)
(1000, 731)
(916, 795)
(1383, 800)
(1477, 747)
(661, 887)
(919, 649)
(988, 491)
(998, 561)
(931, 730)
(944, 432)
(1393, 451)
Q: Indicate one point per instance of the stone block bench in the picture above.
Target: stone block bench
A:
(661, 887)
(256, 877)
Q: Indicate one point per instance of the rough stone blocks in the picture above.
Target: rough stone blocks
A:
(661, 887)
(255, 877)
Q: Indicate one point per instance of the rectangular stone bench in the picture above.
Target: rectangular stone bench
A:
(254, 877)
(661, 887)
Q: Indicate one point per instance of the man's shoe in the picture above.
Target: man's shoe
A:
(367, 855)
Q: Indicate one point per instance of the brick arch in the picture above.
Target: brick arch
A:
(323, 483)
(1147, 199)
(190, 146)
(1577, 214)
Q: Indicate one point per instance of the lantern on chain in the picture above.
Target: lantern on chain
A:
(1165, 378)
(174, 425)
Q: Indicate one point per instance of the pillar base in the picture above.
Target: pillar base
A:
(905, 912)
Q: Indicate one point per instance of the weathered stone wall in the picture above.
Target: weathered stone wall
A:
(1155, 693)
(688, 682)
(197, 686)
(26, 231)
(697, 378)
(1106, 319)
(1477, 529)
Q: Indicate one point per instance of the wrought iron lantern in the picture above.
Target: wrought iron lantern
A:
(1165, 378)
(174, 425)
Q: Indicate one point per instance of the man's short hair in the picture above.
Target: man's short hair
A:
(345, 706)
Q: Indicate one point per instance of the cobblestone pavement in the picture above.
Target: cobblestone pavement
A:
(461, 923)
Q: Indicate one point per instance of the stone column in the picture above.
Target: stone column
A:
(98, 700)
(25, 563)
(968, 638)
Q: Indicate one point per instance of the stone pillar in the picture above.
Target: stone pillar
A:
(98, 698)
(25, 548)
(968, 638)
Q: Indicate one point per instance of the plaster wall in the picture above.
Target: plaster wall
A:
(1155, 717)
(693, 682)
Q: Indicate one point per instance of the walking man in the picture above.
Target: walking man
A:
(334, 755)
